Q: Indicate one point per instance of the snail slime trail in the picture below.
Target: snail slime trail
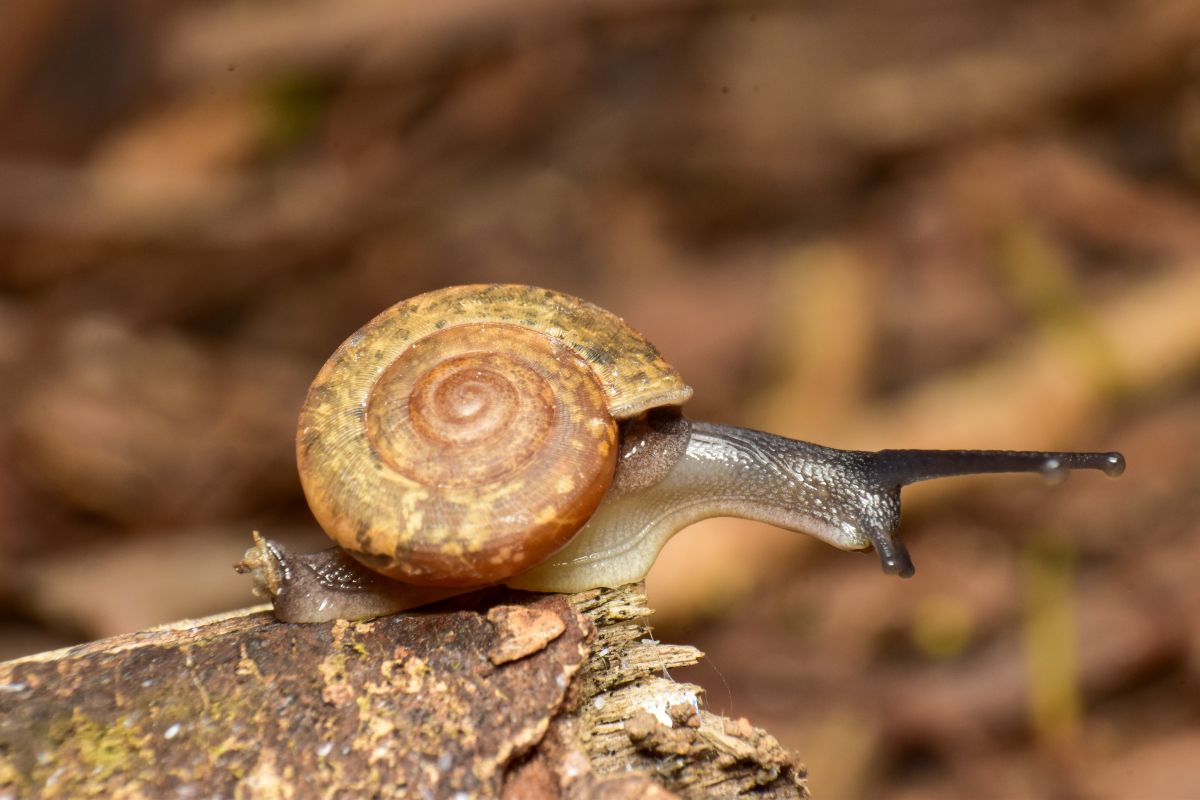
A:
(497, 434)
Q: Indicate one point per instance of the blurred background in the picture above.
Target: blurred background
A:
(867, 223)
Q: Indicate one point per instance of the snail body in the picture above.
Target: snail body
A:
(490, 434)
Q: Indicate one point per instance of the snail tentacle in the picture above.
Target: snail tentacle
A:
(902, 467)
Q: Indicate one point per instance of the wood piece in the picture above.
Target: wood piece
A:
(403, 706)
(716, 758)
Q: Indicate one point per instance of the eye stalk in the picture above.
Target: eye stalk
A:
(902, 467)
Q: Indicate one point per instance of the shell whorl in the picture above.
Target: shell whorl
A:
(464, 435)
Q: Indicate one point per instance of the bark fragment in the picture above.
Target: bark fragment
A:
(521, 631)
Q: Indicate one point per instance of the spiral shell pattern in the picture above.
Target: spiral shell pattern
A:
(465, 435)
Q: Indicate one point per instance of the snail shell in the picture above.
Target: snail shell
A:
(464, 435)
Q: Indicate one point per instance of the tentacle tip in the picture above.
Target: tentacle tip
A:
(897, 562)
(1114, 465)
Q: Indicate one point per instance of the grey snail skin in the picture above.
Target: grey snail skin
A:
(497, 434)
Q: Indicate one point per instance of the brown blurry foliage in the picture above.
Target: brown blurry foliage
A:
(870, 224)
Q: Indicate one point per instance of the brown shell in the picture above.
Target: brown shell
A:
(464, 435)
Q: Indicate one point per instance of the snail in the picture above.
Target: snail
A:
(496, 434)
